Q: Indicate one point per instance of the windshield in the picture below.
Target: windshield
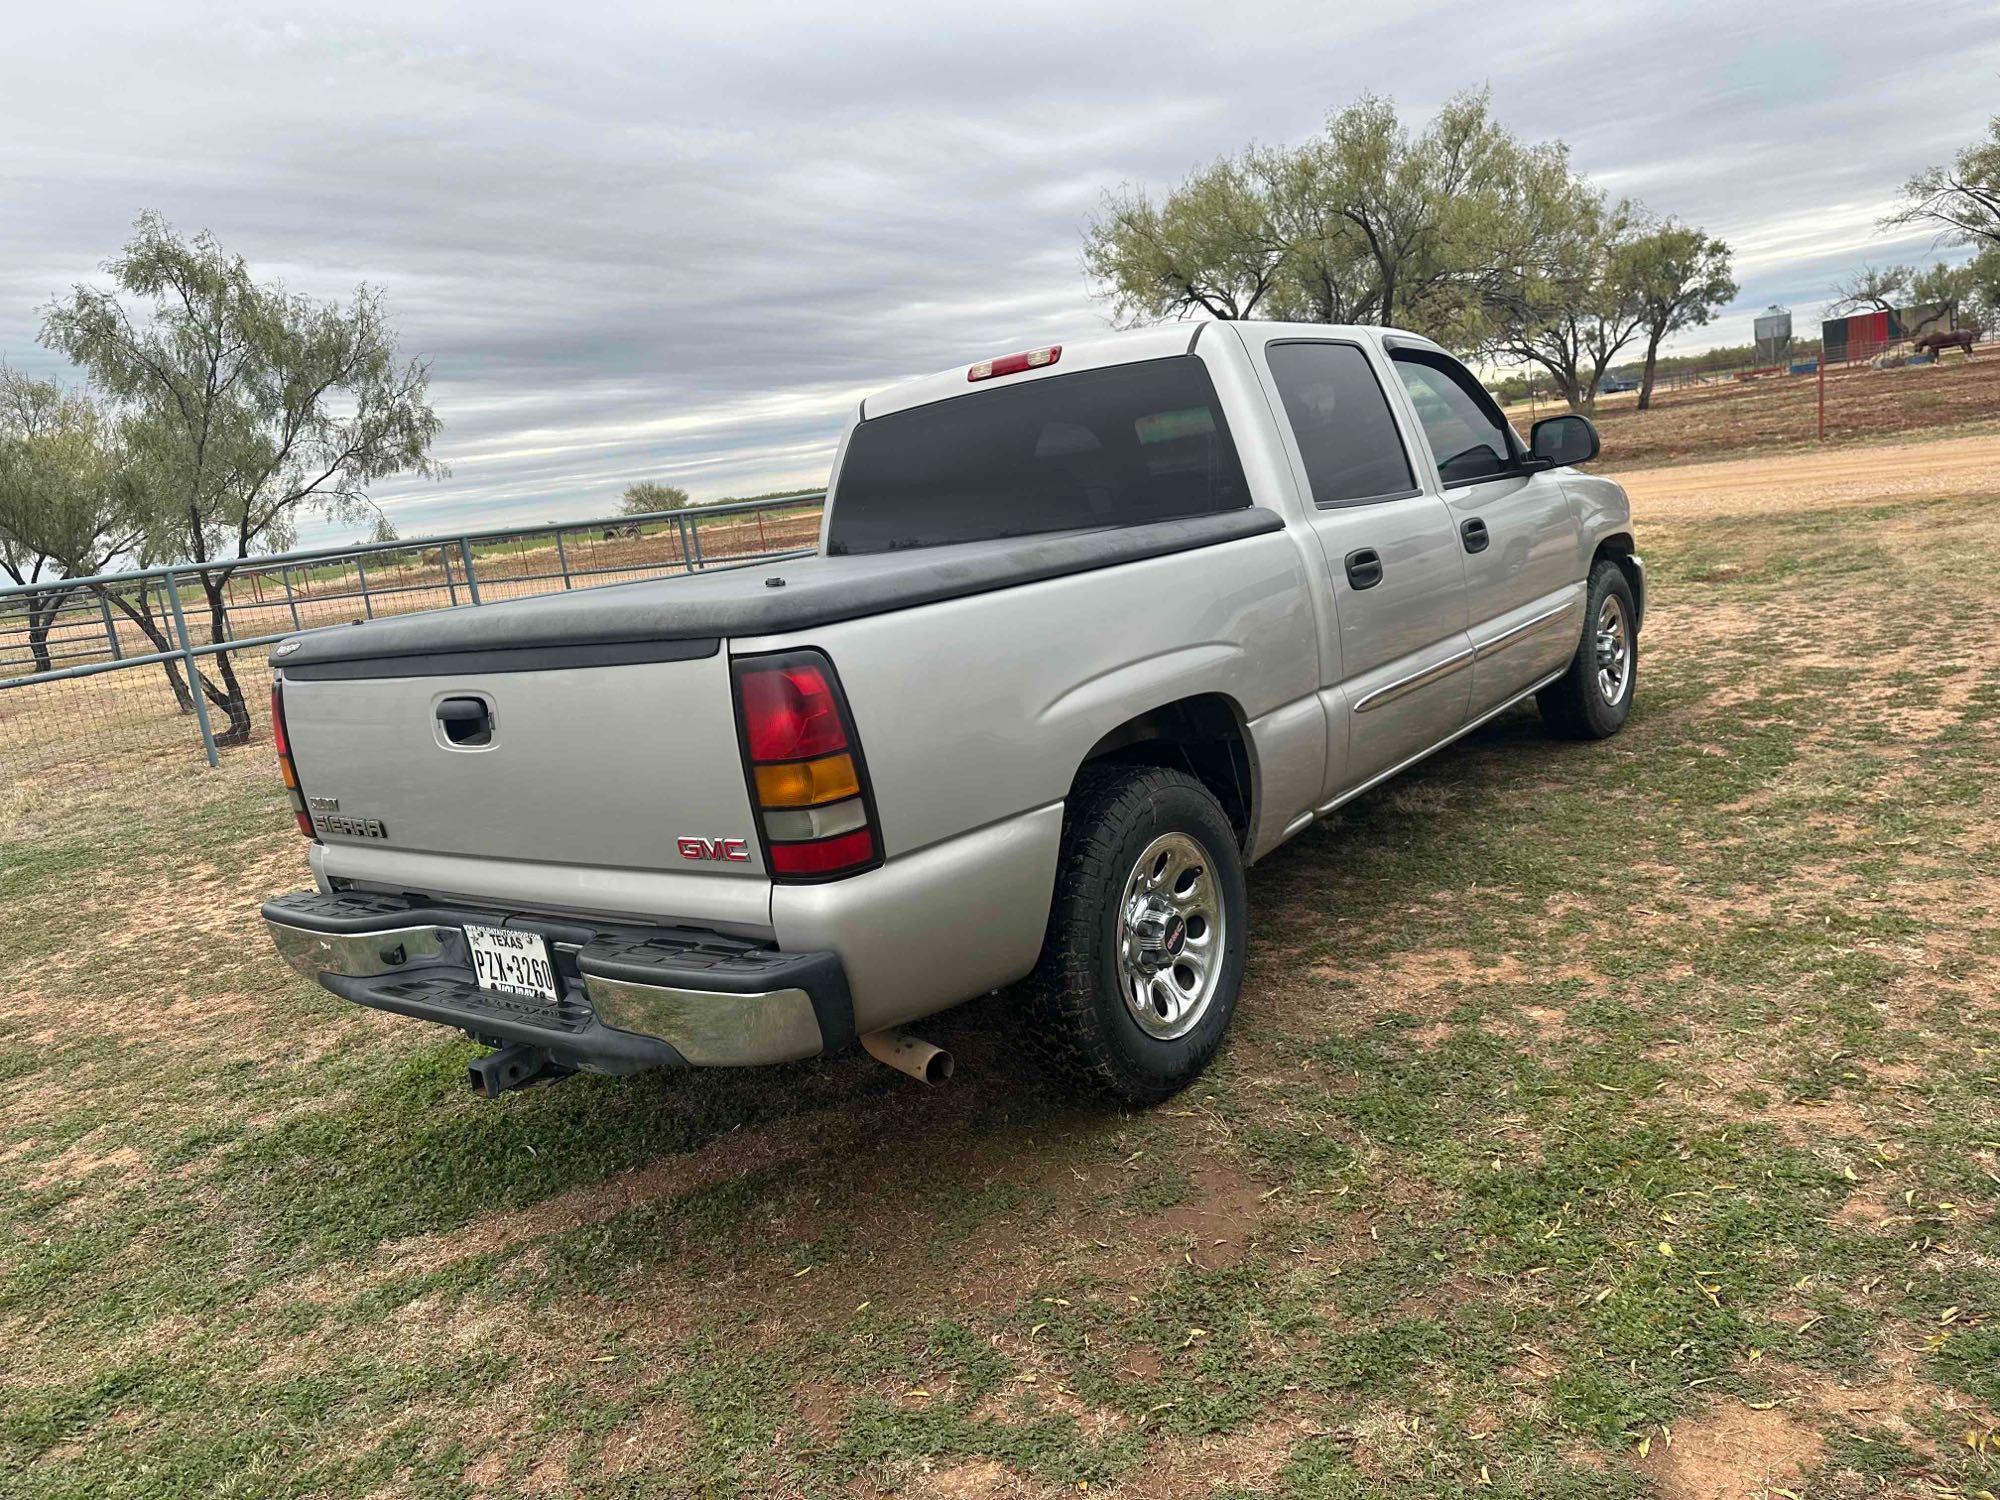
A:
(1113, 447)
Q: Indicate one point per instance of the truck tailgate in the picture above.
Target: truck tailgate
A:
(606, 765)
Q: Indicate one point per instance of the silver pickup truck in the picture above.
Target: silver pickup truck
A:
(1090, 629)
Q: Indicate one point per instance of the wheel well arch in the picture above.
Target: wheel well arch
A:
(1621, 549)
(1204, 735)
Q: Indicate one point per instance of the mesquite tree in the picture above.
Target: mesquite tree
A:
(239, 404)
(649, 495)
(1367, 222)
(1879, 288)
(1678, 278)
(1458, 229)
(1571, 309)
(63, 509)
(1960, 200)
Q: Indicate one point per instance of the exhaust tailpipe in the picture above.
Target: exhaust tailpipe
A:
(515, 1067)
(909, 1054)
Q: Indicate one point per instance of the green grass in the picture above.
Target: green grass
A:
(1581, 1096)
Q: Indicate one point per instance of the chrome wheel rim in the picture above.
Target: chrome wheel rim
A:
(1170, 936)
(1613, 650)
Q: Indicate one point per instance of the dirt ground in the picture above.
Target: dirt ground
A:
(1878, 474)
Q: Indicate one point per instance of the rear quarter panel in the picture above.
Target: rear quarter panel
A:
(975, 710)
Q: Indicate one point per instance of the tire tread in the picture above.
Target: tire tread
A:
(1571, 705)
(1063, 1029)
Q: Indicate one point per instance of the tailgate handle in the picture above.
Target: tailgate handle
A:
(466, 721)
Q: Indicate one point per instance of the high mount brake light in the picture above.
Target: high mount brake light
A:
(1014, 364)
(806, 774)
(281, 740)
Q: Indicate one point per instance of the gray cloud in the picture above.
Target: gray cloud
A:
(676, 242)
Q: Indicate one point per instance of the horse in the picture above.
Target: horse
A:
(1959, 338)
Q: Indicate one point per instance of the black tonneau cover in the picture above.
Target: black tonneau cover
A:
(680, 616)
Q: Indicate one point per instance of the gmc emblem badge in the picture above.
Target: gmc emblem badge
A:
(731, 849)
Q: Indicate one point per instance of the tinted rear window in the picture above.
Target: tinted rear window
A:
(1341, 420)
(1115, 447)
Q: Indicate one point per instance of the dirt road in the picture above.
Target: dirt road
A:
(1880, 474)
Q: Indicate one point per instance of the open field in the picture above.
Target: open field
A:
(1775, 414)
(1600, 1121)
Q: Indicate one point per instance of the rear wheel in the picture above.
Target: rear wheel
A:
(1592, 700)
(1143, 961)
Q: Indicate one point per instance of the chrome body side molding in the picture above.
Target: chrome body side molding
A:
(1523, 630)
(1457, 661)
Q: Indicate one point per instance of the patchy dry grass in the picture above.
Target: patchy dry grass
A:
(1600, 1120)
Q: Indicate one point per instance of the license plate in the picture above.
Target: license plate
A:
(512, 962)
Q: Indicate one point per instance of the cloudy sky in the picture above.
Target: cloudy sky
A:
(676, 242)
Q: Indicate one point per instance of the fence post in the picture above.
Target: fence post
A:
(361, 573)
(193, 672)
(286, 574)
(110, 628)
(1822, 390)
(465, 556)
(694, 530)
(562, 559)
(687, 555)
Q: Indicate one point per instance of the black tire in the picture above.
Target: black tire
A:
(1575, 705)
(1074, 1015)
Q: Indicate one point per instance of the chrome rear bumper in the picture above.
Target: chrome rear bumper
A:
(630, 997)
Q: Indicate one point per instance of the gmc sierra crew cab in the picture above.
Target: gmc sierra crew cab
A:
(1089, 629)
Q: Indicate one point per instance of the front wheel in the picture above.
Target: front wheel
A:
(1143, 961)
(1592, 700)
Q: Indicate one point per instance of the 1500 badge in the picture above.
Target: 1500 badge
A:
(328, 818)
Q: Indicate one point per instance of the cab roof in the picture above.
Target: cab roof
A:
(1092, 352)
(1089, 353)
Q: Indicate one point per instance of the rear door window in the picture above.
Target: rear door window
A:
(1467, 435)
(1341, 420)
(1114, 447)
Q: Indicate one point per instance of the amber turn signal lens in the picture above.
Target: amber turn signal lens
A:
(804, 783)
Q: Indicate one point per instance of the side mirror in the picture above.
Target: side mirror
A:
(1562, 441)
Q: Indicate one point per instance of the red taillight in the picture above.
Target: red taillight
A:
(824, 856)
(789, 711)
(806, 776)
(287, 769)
(1014, 364)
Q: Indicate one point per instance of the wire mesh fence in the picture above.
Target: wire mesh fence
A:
(1867, 389)
(102, 676)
